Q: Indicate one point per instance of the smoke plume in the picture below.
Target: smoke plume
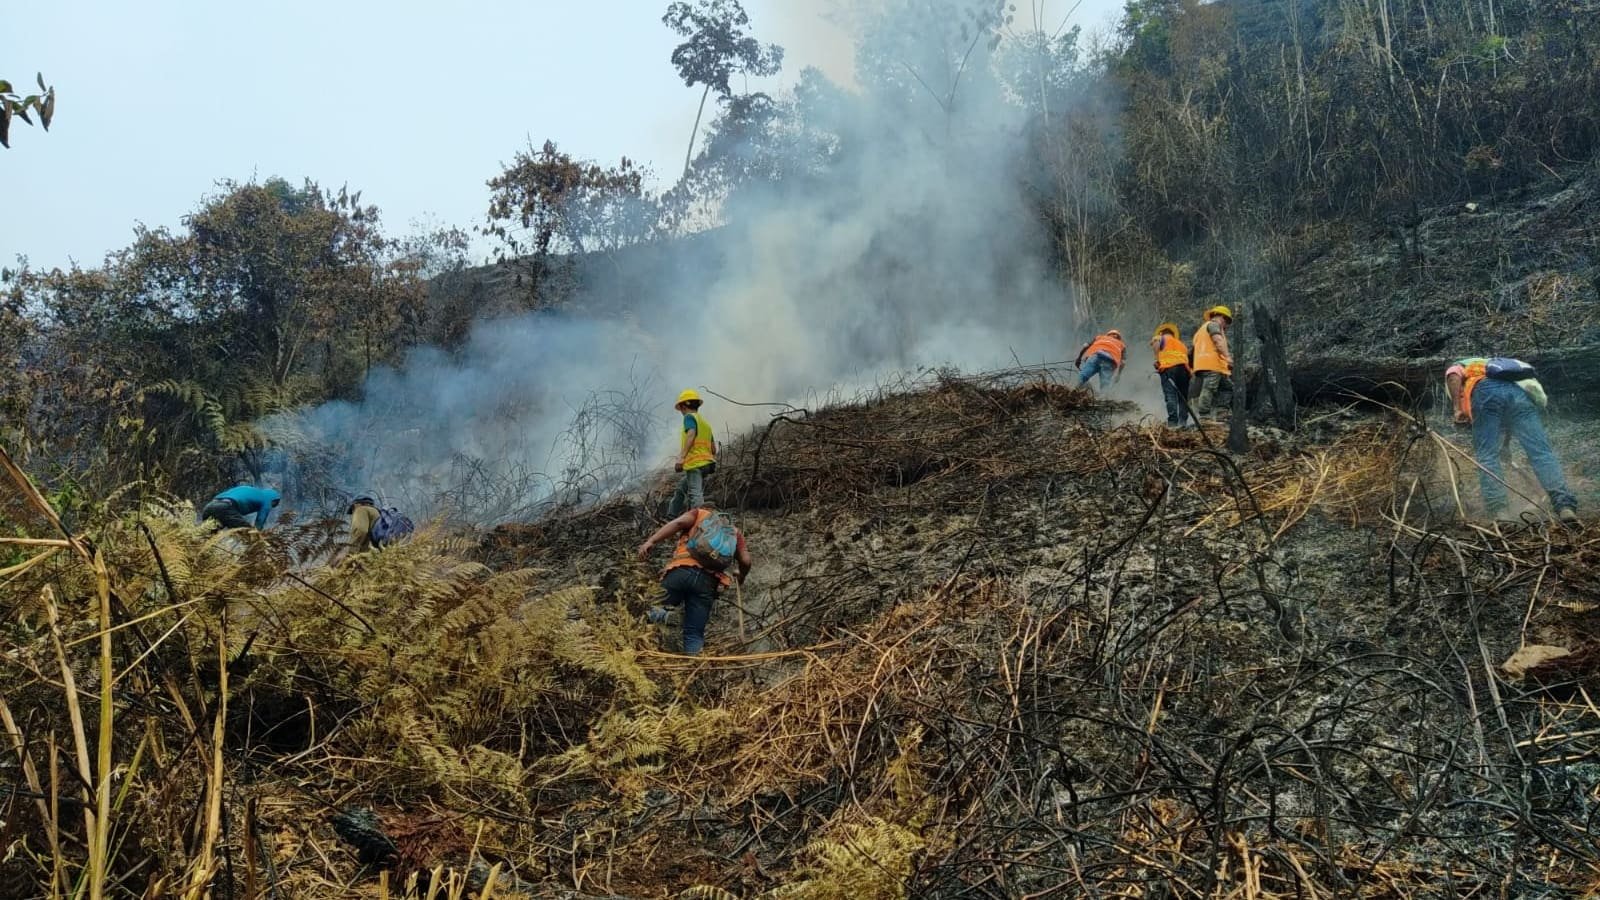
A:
(900, 238)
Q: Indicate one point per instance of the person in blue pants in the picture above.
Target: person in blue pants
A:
(687, 583)
(1101, 357)
(1499, 409)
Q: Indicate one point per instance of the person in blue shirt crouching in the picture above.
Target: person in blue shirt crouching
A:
(233, 507)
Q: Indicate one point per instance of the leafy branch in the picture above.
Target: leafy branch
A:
(24, 107)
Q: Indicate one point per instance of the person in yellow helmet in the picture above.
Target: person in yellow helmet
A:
(1172, 365)
(1213, 362)
(697, 456)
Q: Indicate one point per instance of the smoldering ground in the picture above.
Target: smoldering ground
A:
(900, 238)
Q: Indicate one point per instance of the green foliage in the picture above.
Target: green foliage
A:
(24, 106)
(547, 201)
(270, 296)
(1147, 27)
(718, 45)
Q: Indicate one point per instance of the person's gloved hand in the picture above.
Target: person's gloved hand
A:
(657, 615)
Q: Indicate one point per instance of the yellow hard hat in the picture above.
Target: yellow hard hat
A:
(1220, 310)
(689, 395)
(1167, 328)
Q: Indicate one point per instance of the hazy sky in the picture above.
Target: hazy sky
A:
(413, 103)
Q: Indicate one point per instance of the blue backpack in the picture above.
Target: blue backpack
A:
(714, 541)
(390, 527)
(1504, 368)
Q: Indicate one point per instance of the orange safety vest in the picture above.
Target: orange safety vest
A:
(1206, 357)
(1107, 344)
(682, 558)
(1473, 372)
(1171, 354)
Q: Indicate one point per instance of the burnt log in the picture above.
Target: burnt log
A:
(1572, 372)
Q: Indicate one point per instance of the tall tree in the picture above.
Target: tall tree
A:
(718, 47)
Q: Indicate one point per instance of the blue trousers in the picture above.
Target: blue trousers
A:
(695, 590)
(1175, 390)
(1499, 408)
(1099, 364)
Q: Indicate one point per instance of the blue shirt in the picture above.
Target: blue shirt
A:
(252, 500)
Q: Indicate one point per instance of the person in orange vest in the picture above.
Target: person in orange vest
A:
(1500, 399)
(1172, 365)
(1101, 356)
(697, 455)
(1213, 363)
(688, 580)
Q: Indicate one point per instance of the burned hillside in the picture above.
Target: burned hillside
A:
(1003, 638)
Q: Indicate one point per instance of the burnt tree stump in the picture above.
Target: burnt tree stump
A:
(1277, 382)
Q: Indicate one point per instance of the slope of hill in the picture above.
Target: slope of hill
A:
(1003, 639)
(1515, 274)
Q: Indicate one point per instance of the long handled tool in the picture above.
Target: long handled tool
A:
(738, 600)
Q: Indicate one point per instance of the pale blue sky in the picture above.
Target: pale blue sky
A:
(413, 103)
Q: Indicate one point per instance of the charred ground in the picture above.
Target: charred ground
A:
(1115, 657)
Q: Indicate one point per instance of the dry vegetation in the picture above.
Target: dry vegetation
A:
(1002, 641)
(999, 645)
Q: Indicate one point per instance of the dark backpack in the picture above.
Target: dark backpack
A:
(1504, 368)
(714, 541)
(392, 525)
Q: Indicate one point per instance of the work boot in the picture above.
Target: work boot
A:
(1568, 516)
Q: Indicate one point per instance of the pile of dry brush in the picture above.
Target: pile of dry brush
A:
(1002, 642)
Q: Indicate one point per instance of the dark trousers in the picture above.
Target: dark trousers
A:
(1175, 390)
(695, 590)
(225, 513)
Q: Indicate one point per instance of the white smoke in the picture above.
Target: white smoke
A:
(912, 247)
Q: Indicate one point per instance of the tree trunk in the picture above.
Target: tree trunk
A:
(1277, 385)
(688, 155)
(1238, 434)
